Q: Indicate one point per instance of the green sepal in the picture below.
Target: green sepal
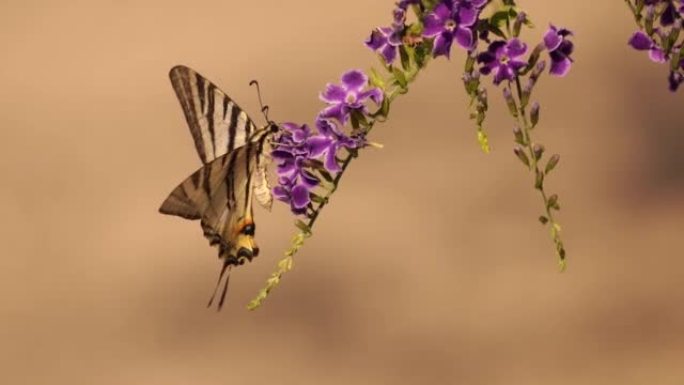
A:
(303, 226)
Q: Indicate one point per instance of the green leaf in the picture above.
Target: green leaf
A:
(376, 80)
(405, 57)
(303, 226)
(400, 77)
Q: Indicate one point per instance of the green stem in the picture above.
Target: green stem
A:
(527, 140)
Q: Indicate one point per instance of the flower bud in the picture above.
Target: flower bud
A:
(518, 134)
(538, 151)
(520, 153)
(534, 114)
(510, 102)
(553, 161)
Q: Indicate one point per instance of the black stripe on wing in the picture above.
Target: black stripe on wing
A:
(217, 124)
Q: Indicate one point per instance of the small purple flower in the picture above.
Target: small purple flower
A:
(348, 97)
(386, 41)
(642, 42)
(291, 151)
(560, 49)
(675, 79)
(452, 20)
(502, 58)
(329, 141)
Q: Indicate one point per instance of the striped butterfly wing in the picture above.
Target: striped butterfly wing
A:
(234, 155)
(217, 124)
(220, 195)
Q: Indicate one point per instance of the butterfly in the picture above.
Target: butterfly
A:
(234, 154)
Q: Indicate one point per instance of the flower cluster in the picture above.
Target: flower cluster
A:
(660, 24)
(311, 162)
(304, 156)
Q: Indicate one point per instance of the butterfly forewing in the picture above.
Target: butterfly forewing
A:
(217, 124)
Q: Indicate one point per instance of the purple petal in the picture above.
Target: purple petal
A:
(375, 94)
(280, 193)
(552, 39)
(503, 72)
(389, 53)
(560, 67)
(376, 40)
(354, 80)
(516, 48)
(657, 55)
(434, 22)
(336, 111)
(301, 134)
(467, 15)
(331, 161)
(282, 155)
(300, 197)
(318, 145)
(464, 37)
(640, 41)
(333, 94)
(291, 127)
(324, 126)
(442, 44)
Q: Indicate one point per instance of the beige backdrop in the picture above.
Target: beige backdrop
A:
(428, 267)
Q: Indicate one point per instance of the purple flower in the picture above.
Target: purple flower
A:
(291, 151)
(348, 97)
(502, 58)
(329, 141)
(386, 41)
(560, 50)
(675, 79)
(452, 20)
(642, 42)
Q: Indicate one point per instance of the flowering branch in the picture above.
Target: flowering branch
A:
(660, 24)
(311, 163)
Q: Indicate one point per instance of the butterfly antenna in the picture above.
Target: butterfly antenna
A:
(218, 283)
(264, 108)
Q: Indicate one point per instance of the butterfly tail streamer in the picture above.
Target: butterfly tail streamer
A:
(224, 269)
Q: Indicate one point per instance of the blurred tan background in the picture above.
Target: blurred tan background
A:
(428, 267)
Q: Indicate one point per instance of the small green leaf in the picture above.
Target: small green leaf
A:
(400, 77)
(303, 226)
(405, 57)
(376, 79)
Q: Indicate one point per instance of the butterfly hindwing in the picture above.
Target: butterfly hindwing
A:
(220, 194)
